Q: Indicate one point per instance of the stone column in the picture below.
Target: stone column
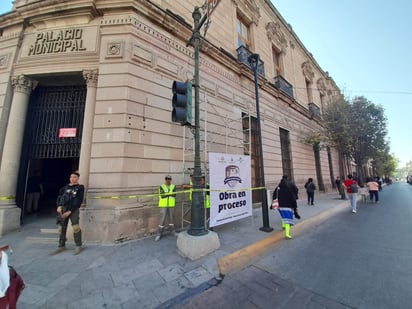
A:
(91, 77)
(9, 168)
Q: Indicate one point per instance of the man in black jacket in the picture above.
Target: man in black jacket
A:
(68, 207)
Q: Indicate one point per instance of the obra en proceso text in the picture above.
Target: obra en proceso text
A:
(223, 196)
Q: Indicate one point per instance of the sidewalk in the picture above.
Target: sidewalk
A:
(143, 273)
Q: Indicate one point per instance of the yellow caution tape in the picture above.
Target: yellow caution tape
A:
(122, 197)
(4, 198)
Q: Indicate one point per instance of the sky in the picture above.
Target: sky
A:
(366, 46)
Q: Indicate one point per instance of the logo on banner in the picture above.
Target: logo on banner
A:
(232, 173)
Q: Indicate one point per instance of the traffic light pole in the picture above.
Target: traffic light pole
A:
(197, 227)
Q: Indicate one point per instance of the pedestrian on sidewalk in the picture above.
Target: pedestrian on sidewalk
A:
(167, 202)
(189, 186)
(352, 190)
(286, 193)
(373, 187)
(206, 195)
(68, 207)
(364, 193)
(379, 181)
(34, 191)
(341, 190)
(310, 190)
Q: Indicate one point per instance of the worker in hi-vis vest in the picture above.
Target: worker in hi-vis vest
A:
(167, 202)
(189, 186)
(206, 194)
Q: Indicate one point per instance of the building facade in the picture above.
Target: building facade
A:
(86, 85)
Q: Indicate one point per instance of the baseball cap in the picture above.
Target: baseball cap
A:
(168, 177)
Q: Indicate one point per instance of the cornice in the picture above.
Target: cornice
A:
(42, 12)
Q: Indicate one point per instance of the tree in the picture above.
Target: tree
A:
(357, 129)
(385, 164)
(336, 122)
(368, 132)
(315, 139)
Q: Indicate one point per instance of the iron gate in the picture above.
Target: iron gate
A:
(50, 109)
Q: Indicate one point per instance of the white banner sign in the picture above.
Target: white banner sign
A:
(230, 184)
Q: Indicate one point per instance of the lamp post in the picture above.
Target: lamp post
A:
(253, 60)
(197, 226)
(198, 241)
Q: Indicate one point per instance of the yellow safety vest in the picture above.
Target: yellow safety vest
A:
(167, 196)
(207, 199)
(191, 190)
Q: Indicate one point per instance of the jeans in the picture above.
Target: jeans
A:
(353, 199)
(374, 193)
(311, 195)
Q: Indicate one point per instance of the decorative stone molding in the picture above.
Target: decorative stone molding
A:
(308, 71)
(115, 50)
(10, 36)
(144, 54)
(91, 77)
(276, 36)
(249, 10)
(4, 61)
(321, 86)
(23, 84)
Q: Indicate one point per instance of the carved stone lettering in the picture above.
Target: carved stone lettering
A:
(57, 41)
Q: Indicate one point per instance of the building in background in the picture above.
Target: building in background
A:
(86, 85)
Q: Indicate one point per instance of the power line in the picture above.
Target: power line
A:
(360, 91)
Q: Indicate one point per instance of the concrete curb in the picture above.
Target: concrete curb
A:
(244, 256)
(320, 218)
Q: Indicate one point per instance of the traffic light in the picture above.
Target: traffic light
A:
(182, 103)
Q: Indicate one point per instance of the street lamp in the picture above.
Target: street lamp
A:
(253, 60)
(197, 226)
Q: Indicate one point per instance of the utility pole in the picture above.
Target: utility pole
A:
(197, 226)
(198, 241)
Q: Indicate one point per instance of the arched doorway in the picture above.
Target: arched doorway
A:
(46, 149)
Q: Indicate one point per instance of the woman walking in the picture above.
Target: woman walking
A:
(287, 193)
(373, 187)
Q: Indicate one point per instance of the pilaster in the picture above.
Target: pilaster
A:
(91, 78)
(9, 168)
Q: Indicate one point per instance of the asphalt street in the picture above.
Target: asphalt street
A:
(360, 260)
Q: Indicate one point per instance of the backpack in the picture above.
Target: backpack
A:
(354, 187)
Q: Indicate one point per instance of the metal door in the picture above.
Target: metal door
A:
(53, 108)
(50, 109)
